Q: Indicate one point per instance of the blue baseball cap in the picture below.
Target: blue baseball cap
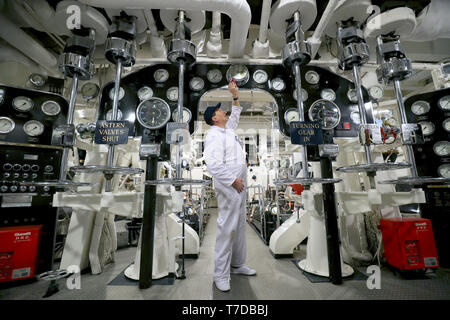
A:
(209, 113)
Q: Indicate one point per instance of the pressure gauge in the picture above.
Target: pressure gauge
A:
(121, 93)
(214, 76)
(446, 124)
(37, 80)
(161, 75)
(2, 96)
(420, 107)
(6, 125)
(238, 72)
(291, 115)
(444, 103)
(33, 128)
(444, 170)
(196, 84)
(153, 113)
(326, 112)
(172, 93)
(304, 95)
(352, 96)
(312, 77)
(187, 115)
(355, 117)
(278, 84)
(328, 94)
(260, 76)
(109, 115)
(22, 104)
(428, 128)
(376, 92)
(89, 90)
(442, 148)
(145, 93)
(51, 108)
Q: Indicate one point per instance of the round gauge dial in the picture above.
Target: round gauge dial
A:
(161, 75)
(196, 84)
(442, 148)
(312, 77)
(352, 96)
(187, 115)
(145, 93)
(291, 115)
(444, 170)
(278, 84)
(428, 128)
(420, 107)
(260, 76)
(172, 93)
(89, 90)
(238, 72)
(326, 112)
(214, 76)
(356, 117)
(376, 92)
(153, 113)
(444, 103)
(121, 93)
(6, 125)
(328, 94)
(22, 104)
(51, 108)
(33, 128)
(109, 115)
(37, 80)
(304, 95)
(446, 124)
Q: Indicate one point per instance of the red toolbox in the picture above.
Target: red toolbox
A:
(18, 252)
(409, 243)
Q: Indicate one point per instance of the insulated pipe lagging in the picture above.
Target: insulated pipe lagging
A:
(238, 10)
(264, 24)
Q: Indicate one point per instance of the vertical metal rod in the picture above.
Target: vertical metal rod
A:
(278, 207)
(181, 68)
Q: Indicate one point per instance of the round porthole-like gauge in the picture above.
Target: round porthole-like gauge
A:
(153, 113)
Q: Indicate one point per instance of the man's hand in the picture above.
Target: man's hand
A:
(232, 87)
(238, 185)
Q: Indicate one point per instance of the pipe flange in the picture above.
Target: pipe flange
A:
(394, 69)
(296, 51)
(71, 64)
(120, 49)
(354, 54)
(181, 50)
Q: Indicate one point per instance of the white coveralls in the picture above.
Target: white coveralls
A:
(225, 161)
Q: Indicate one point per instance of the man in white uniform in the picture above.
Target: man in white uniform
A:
(225, 161)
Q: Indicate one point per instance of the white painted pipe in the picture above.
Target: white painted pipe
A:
(156, 42)
(264, 24)
(216, 22)
(10, 54)
(150, 22)
(238, 10)
(214, 45)
(26, 44)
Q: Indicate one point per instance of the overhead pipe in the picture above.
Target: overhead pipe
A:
(261, 45)
(156, 42)
(214, 45)
(238, 10)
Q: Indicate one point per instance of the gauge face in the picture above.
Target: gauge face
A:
(351, 95)
(214, 76)
(33, 128)
(356, 117)
(420, 107)
(22, 104)
(196, 84)
(278, 84)
(153, 113)
(145, 93)
(6, 125)
(37, 80)
(260, 76)
(326, 112)
(444, 103)
(312, 77)
(89, 90)
(121, 93)
(187, 115)
(446, 124)
(238, 72)
(161, 75)
(328, 94)
(442, 148)
(444, 170)
(428, 128)
(172, 93)
(51, 108)
(304, 95)
(376, 92)
(291, 115)
(109, 115)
